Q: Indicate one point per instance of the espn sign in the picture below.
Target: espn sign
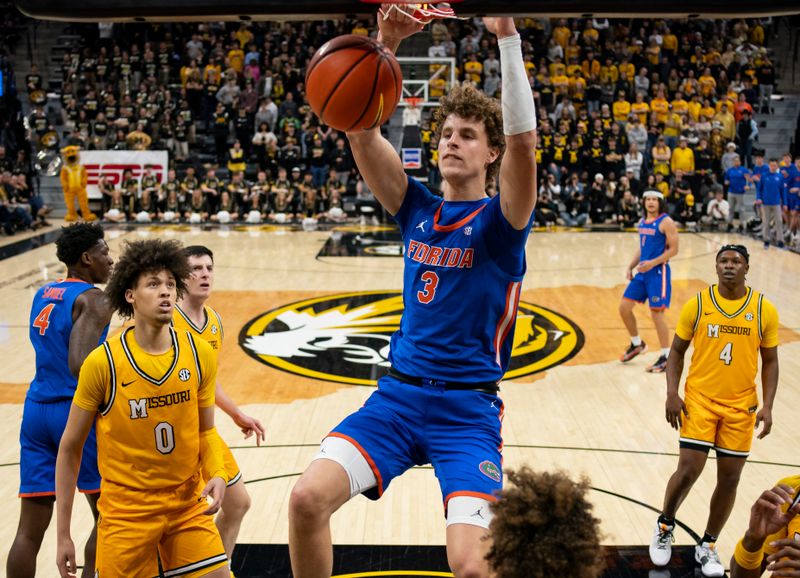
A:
(114, 164)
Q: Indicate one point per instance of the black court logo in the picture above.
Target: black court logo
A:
(184, 374)
(345, 338)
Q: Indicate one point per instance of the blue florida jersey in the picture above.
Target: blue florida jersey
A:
(464, 264)
(652, 241)
(50, 329)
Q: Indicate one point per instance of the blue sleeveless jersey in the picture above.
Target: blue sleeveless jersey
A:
(464, 265)
(50, 329)
(652, 242)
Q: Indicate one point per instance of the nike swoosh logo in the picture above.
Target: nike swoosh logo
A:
(127, 383)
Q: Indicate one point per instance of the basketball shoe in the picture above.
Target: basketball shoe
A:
(661, 544)
(633, 351)
(659, 366)
(706, 555)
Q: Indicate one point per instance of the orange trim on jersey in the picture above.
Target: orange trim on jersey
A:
(505, 323)
(454, 226)
(646, 222)
(37, 494)
(468, 494)
(367, 457)
(663, 281)
(71, 280)
(89, 492)
(662, 308)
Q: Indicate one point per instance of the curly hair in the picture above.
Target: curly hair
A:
(466, 101)
(142, 257)
(75, 240)
(544, 527)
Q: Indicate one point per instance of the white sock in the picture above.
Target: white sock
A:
(665, 352)
(636, 341)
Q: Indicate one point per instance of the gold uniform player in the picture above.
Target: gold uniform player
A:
(151, 391)
(730, 324)
(772, 539)
(193, 315)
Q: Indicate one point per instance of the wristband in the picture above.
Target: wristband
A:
(746, 559)
(211, 461)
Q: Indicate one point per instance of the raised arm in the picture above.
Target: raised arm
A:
(375, 157)
(518, 169)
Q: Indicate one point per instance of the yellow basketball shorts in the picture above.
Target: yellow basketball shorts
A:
(727, 429)
(137, 527)
(232, 471)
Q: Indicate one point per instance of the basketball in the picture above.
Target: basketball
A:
(353, 83)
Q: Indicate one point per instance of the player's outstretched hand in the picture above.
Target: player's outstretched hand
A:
(500, 26)
(767, 515)
(65, 558)
(786, 561)
(249, 426)
(629, 274)
(764, 418)
(675, 407)
(395, 25)
(215, 488)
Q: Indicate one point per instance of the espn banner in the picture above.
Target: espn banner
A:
(115, 163)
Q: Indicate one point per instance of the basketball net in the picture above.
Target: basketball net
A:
(412, 113)
(423, 13)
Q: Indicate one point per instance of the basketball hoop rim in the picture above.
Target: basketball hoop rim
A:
(404, 2)
(413, 101)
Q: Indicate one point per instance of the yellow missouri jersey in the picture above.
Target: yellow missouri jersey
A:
(727, 337)
(148, 420)
(211, 330)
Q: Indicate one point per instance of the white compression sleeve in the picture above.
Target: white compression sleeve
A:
(519, 112)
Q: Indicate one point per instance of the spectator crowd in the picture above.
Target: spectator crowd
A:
(623, 105)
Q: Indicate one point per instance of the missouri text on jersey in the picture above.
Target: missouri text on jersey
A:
(714, 330)
(140, 406)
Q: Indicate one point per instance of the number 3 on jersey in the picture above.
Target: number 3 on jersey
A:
(428, 292)
(42, 321)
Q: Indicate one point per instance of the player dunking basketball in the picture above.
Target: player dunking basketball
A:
(69, 317)
(650, 278)
(464, 264)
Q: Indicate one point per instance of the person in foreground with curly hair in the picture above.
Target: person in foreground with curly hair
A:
(151, 391)
(535, 518)
(464, 262)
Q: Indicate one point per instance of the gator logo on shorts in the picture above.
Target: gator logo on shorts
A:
(345, 338)
(490, 470)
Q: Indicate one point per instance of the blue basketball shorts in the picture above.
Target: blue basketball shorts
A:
(654, 286)
(42, 427)
(793, 202)
(457, 432)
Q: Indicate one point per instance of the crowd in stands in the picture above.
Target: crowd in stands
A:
(623, 105)
(20, 206)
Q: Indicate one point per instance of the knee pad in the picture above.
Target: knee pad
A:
(345, 454)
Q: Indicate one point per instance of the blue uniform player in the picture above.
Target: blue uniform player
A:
(464, 263)
(649, 277)
(68, 319)
(792, 178)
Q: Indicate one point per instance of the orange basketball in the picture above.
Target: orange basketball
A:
(353, 83)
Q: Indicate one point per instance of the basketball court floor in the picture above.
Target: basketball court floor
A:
(307, 316)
